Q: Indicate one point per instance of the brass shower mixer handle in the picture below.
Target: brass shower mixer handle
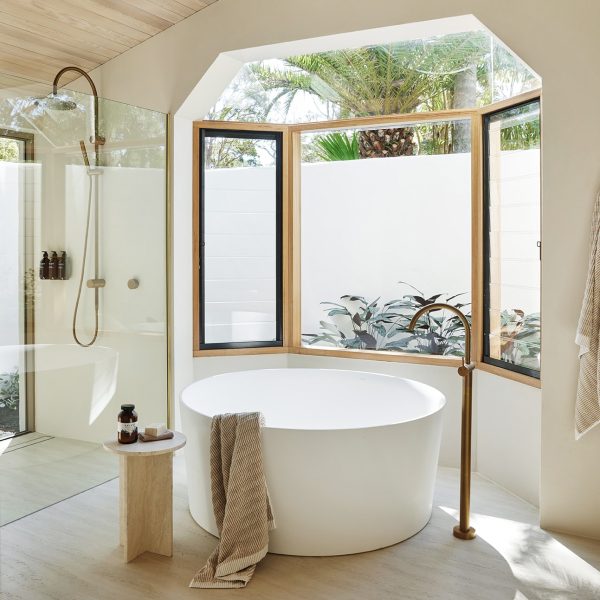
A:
(96, 283)
(466, 368)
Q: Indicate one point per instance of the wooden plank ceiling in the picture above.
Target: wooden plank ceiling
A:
(39, 37)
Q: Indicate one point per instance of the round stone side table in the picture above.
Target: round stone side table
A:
(146, 495)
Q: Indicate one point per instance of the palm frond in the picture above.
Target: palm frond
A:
(337, 145)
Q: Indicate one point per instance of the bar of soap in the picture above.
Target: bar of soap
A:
(155, 429)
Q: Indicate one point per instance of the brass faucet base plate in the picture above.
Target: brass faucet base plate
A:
(469, 534)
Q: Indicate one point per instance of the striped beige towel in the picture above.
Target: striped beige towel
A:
(587, 407)
(240, 501)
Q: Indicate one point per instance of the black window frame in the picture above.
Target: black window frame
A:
(277, 137)
(487, 359)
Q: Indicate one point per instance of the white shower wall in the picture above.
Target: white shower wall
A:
(128, 362)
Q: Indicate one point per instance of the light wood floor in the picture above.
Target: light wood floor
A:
(70, 551)
(38, 470)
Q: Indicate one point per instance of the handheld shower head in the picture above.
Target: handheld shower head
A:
(86, 160)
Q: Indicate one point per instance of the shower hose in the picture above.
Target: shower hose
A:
(84, 258)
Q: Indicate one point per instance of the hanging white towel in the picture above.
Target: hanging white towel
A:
(587, 407)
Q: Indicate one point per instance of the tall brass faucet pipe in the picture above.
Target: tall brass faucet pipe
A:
(462, 530)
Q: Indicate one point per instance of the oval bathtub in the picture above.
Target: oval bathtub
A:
(350, 457)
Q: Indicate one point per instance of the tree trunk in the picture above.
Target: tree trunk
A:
(465, 96)
(379, 143)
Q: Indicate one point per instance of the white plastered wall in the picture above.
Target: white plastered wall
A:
(559, 40)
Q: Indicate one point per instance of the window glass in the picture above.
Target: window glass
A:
(512, 193)
(460, 70)
(241, 239)
(386, 229)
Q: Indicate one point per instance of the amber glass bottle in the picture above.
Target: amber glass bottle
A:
(44, 266)
(53, 267)
(127, 431)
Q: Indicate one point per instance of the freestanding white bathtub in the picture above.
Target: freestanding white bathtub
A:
(350, 457)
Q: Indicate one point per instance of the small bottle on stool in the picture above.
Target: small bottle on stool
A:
(127, 431)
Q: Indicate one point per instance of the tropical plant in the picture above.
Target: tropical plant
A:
(337, 145)
(520, 336)
(358, 323)
(227, 152)
(9, 389)
(9, 150)
(523, 136)
(385, 79)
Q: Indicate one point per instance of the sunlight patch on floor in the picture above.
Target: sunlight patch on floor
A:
(538, 561)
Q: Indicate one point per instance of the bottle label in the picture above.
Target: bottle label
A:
(128, 428)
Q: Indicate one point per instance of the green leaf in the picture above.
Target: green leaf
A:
(367, 339)
(337, 145)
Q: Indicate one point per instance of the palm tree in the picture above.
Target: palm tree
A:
(378, 80)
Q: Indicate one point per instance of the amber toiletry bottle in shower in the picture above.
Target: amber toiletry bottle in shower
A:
(62, 265)
(53, 269)
(44, 265)
(127, 431)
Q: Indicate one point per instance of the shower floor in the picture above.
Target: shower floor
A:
(38, 470)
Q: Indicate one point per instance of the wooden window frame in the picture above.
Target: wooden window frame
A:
(292, 333)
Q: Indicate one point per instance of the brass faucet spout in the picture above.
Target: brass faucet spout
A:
(443, 306)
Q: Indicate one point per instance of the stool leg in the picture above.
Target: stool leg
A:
(147, 505)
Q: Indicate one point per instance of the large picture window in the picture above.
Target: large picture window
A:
(385, 230)
(512, 244)
(410, 176)
(240, 239)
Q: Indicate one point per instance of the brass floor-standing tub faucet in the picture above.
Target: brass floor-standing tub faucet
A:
(462, 530)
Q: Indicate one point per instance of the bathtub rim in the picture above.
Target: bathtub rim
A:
(425, 386)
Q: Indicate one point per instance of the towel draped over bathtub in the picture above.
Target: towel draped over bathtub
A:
(587, 406)
(240, 501)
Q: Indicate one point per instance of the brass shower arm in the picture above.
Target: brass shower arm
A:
(443, 306)
(98, 140)
(77, 70)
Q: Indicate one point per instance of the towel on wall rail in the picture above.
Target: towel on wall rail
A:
(587, 406)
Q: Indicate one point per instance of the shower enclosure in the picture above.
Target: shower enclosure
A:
(61, 394)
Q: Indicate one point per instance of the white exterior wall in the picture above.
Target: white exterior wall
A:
(240, 254)
(366, 225)
(517, 190)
